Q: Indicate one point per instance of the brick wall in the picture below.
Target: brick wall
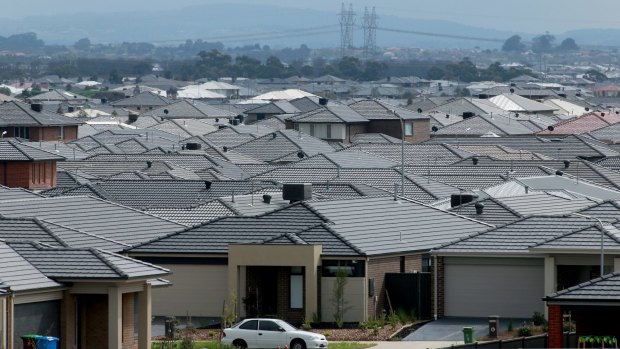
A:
(421, 129)
(284, 291)
(353, 129)
(71, 133)
(555, 326)
(15, 174)
(128, 322)
(440, 287)
(378, 267)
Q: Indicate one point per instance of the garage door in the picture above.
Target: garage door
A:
(482, 287)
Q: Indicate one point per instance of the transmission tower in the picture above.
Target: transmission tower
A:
(370, 31)
(347, 25)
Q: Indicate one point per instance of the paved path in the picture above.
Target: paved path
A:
(415, 344)
(451, 329)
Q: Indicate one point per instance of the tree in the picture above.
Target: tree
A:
(568, 44)
(543, 43)
(5, 91)
(82, 44)
(338, 300)
(114, 77)
(513, 44)
(350, 67)
(595, 75)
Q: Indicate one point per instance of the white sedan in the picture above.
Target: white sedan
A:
(271, 333)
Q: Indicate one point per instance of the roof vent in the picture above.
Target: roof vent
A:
(70, 109)
(217, 119)
(602, 114)
(587, 109)
(479, 207)
(566, 163)
(38, 107)
(235, 122)
(550, 128)
(274, 135)
(419, 110)
(300, 154)
(468, 114)
(323, 101)
(207, 185)
(297, 192)
(133, 117)
(104, 100)
(462, 198)
(149, 164)
(225, 148)
(474, 160)
(193, 146)
(267, 198)
(559, 173)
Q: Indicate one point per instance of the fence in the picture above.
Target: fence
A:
(540, 341)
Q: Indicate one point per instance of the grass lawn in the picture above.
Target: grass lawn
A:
(215, 345)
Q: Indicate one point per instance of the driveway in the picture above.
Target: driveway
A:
(451, 329)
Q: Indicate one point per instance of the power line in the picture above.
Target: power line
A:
(347, 26)
(451, 36)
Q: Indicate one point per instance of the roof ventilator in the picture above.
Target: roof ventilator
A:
(207, 185)
(479, 208)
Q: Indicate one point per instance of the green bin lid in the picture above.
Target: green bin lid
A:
(31, 336)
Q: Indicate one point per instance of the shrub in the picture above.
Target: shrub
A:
(510, 325)
(538, 318)
(525, 331)
(327, 333)
(393, 320)
(306, 325)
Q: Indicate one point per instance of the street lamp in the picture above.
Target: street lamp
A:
(402, 150)
(602, 239)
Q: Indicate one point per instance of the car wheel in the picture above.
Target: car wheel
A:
(298, 344)
(239, 343)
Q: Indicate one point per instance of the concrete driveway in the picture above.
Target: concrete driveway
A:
(451, 329)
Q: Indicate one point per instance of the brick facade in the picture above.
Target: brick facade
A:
(421, 129)
(129, 340)
(29, 175)
(555, 329)
(377, 268)
(440, 287)
(353, 129)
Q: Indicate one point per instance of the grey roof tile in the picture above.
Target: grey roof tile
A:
(606, 288)
(19, 274)
(70, 263)
(13, 114)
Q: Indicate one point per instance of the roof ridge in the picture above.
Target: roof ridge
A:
(99, 254)
(576, 230)
(133, 260)
(51, 233)
(341, 238)
(84, 232)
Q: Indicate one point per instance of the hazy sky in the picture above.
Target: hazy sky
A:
(532, 16)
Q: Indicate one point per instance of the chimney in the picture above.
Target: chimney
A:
(267, 198)
(462, 198)
(297, 192)
(38, 107)
(479, 207)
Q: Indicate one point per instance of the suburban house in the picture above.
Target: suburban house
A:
(31, 122)
(335, 123)
(143, 101)
(89, 298)
(270, 109)
(386, 118)
(27, 167)
(284, 263)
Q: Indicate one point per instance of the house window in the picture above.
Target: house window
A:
(296, 126)
(353, 268)
(62, 132)
(402, 264)
(21, 132)
(260, 116)
(329, 131)
(297, 288)
(427, 263)
(408, 129)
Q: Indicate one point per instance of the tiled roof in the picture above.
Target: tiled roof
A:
(275, 107)
(187, 109)
(350, 159)
(493, 212)
(71, 264)
(582, 124)
(374, 138)
(27, 229)
(382, 225)
(229, 137)
(57, 95)
(215, 236)
(11, 150)
(516, 237)
(435, 154)
(91, 215)
(19, 274)
(280, 144)
(330, 114)
(20, 114)
(603, 289)
(378, 110)
(568, 147)
(145, 99)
